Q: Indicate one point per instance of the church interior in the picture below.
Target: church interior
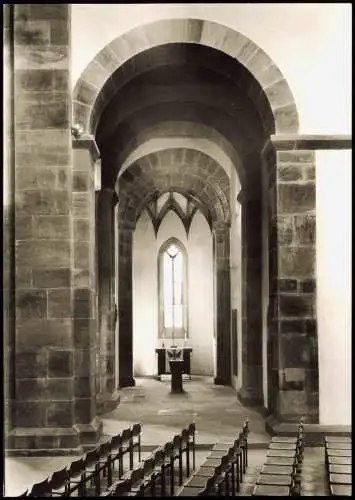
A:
(177, 249)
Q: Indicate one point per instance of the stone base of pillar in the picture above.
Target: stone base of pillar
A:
(106, 402)
(314, 433)
(89, 433)
(127, 382)
(250, 397)
(52, 441)
(221, 381)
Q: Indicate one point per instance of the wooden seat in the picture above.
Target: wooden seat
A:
(59, 482)
(336, 460)
(136, 431)
(338, 439)
(41, 489)
(282, 446)
(192, 437)
(271, 490)
(280, 453)
(91, 473)
(178, 455)
(117, 454)
(340, 469)
(76, 483)
(284, 439)
(339, 446)
(340, 478)
(341, 490)
(339, 453)
(274, 479)
(127, 446)
(278, 469)
(105, 462)
(136, 477)
(280, 460)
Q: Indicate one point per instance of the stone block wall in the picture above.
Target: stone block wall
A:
(54, 309)
(292, 342)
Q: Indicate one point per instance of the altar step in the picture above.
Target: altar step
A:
(167, 377)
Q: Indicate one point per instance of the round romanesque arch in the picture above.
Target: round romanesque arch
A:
(90, 100)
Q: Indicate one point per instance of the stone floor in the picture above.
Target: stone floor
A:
(215, 409)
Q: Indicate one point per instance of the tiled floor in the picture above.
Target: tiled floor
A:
(215, 409)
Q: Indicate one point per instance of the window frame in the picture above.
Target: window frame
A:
(166, 332)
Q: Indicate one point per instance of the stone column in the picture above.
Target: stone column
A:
(221, 243)
(125, 304)
(8, 220)
(251, 390)
(108, 396)
(292, 324)
(47, 415)
(85, 311)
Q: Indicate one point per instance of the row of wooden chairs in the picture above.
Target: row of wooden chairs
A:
(222, 472)
(93, 469)
(155, 475)
(338, 463)
(280, 475)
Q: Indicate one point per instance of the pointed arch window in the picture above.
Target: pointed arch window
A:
(172, 290)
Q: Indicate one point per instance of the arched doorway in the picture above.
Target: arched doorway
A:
(205, 75)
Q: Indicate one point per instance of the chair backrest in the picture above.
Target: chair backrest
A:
(136, 429)
(159, 457)
(192, 429)
(185, 436)
(76, 467)
(148, 464)
(224, 462)
(91, 457)
(177, 441)
(209, 487)
(137, 474)
(168, 449)
(121, 487)
(104, 449)
(41, 489)
(116, 442)
(58, 479)
(126, 435)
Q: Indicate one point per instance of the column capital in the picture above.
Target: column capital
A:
(88, 142)
(125, 225)
(221, 227)
(110, 193)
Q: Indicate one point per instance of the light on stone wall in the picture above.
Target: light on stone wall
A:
(98, 175)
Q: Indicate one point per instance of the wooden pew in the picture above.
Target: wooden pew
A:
(338, 463)
(280, 475)
(226, 463)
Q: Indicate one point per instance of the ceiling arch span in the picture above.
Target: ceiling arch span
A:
(162, 143)
(183, 170)
(187, 31)
(246, 141)
(179, 129)
(158, 87)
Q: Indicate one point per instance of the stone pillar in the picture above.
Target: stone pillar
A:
(8, 220)
(292, 323)
(47, 414)
(108, 396)
(125, 304)
(85, 311)
(251, 391)
(221, 244)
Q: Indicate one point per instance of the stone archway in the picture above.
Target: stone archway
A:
(264, 85)
(89, 100)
